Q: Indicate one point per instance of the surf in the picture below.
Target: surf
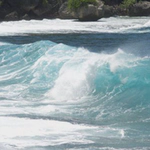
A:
(61, 92)
(58, 26)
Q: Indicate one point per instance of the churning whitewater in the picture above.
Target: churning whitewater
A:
(64, 96)
(104, 25)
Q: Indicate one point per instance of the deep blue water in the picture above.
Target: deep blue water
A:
(75, 91)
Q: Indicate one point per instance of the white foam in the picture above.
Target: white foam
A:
(121, 59)
(6, 147)
(76, 77)
(3, 43)
(27, 132)
(112, 25)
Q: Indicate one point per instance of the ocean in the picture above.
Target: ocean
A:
(69, 85)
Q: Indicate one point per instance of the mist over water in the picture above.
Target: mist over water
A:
(79, 86)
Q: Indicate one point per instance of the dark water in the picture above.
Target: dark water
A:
(93, 42)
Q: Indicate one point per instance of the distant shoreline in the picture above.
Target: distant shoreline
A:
(27, 11)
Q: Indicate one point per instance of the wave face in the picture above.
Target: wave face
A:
(55, 96)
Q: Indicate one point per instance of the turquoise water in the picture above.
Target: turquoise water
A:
(88, 91)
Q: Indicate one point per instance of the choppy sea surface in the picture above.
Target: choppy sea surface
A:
(69, 85)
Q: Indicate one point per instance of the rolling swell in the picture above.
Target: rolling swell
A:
(68, 82)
